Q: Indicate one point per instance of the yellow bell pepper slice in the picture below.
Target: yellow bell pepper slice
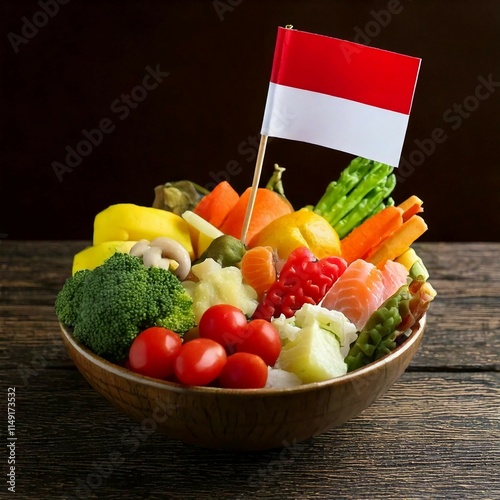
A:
(128, 222)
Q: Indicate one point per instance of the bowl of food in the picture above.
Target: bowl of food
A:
(242, 419)
(254, 344)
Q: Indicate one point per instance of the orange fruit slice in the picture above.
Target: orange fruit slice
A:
(258, 270)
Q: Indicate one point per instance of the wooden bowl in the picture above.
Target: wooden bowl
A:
(242, 419)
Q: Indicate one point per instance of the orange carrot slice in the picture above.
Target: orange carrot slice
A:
(215, 206)
(411, 206)
(368, 235)
(398, 242)
(258, 270)
(269, 205)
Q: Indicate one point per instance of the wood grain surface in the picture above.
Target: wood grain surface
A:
(435, 434)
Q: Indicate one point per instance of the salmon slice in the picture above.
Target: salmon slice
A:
(394, 277)
(363, 288)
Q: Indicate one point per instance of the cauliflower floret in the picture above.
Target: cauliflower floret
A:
(219, 285)
(313, 356)
(309, 314)
(286, 327)
(333, 321)
(281, 379)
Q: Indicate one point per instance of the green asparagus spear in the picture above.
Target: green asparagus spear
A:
(354, 217)
(366, 207)
(343, 206)
(376, 210)
(349, 178)
(377, 337)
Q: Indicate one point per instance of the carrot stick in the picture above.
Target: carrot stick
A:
(368, 235)
(411, 206)
(398, 242)
(216, 205)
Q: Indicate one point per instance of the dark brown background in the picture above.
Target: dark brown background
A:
(218, 55)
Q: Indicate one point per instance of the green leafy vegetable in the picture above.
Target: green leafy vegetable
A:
(179, 196)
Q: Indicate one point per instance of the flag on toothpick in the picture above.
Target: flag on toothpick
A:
(340, 94)
(337, 94)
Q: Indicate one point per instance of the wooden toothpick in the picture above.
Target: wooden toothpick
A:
(255, 186)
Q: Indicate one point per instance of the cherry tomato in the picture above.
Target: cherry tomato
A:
(261, 337)
(223, 323)
(153, 352)
(199, 362)
(244, 371)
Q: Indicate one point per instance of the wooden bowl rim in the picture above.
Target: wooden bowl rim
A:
(120, 371)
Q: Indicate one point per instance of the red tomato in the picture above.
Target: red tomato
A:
(223, 323)
(153, 352)
(261, 337)
(244, 371)
(199, 362)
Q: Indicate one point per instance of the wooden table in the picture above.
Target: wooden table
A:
(435, 434)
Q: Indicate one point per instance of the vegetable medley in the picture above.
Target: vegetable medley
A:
(171, 291)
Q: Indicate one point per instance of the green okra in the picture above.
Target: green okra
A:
(418, 270)
(378, 336)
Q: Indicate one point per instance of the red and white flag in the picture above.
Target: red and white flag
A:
(340, 94)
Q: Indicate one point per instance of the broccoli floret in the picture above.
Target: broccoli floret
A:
(119, 299)
(176, 302)
(68, 299)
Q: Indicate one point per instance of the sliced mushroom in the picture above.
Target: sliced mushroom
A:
(152, 257)
(171, 249)
(140, 248)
